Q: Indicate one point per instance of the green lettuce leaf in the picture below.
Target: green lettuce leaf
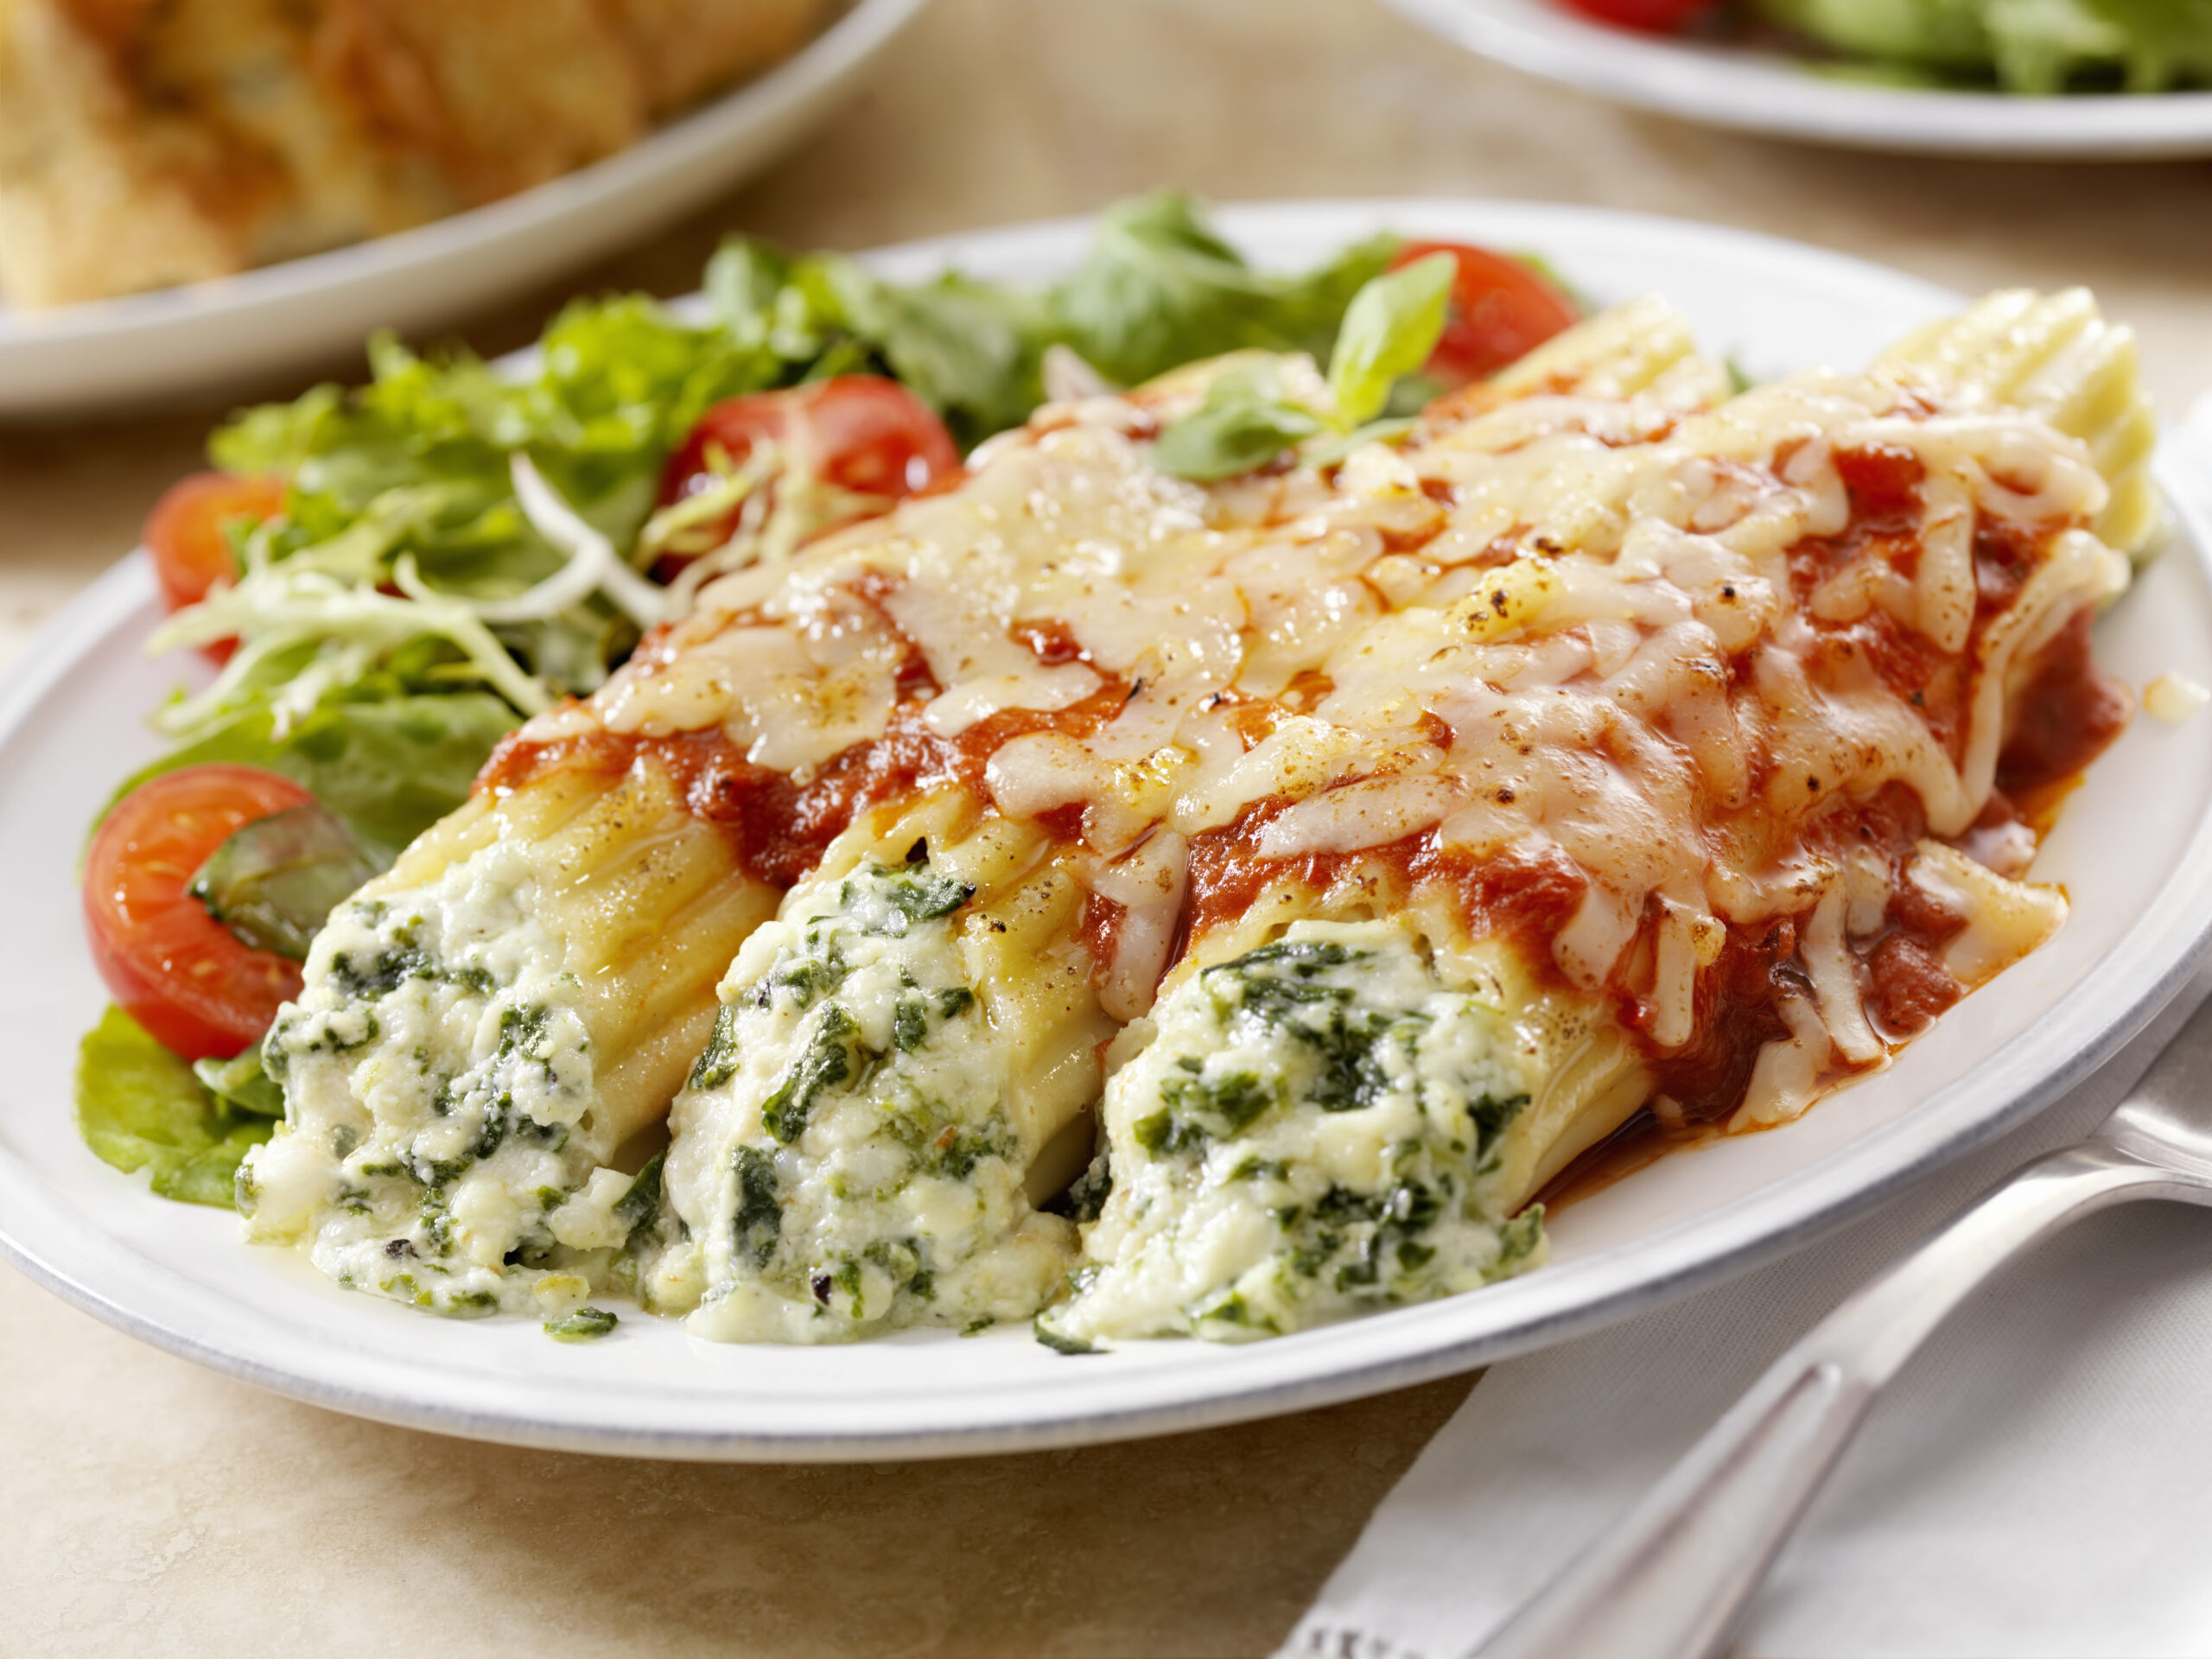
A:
(970, 350)
(2163, 43)
(1948, 34)
(389, 768)
(1159, 288)
(140, 1107)
(242, 1084)
(415, 467)
(422, 451)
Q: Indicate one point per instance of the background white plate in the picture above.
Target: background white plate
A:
(207, 337)
(2133, 850)
(1766, 93)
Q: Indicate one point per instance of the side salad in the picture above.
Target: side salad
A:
(389, 578)
(2034, 46)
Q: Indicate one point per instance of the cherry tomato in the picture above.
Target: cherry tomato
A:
(1654, 16)
(174, 967)
(860, 432)
(184, 533)
(1501, 310)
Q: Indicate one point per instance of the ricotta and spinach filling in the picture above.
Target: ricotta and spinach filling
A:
(1313, 1131)
(842, 1161)
(438, 1144)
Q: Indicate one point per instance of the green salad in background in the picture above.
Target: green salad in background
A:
(2032, 46)
(2025, 46)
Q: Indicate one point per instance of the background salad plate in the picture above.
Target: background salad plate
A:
(2134, 851)
(1767, 92)
(206, 337)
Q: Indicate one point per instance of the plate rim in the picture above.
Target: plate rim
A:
(1759, 96)
(2116, 997)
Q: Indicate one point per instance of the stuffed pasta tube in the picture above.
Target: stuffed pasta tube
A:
(1703, 798)
(484, 1025)
(902, 1073)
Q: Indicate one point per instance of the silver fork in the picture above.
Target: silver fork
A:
(1669, 1579)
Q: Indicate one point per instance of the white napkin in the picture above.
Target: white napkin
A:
(2037, 1482)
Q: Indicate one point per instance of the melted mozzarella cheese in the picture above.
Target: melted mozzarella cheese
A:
(1612, 689)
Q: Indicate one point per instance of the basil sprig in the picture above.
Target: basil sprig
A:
(1247, 419)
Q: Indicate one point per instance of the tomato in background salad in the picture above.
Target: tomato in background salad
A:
(187, 534)
(863, 434)
(1652, 16)
(1501, 310)
(171, 965)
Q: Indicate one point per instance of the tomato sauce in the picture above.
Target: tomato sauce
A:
(1736, 1003)
(1637, 1144)
(1515, 895)
(1101, 928)
(780, 824)
(1885, 482)
(2070, 712)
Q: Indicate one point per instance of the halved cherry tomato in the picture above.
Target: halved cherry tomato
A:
(185, 534)
(1501, 310)
(1654, 16)
(174, 967)
(860, 432)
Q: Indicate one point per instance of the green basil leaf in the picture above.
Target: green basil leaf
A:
(1240, 425)
(1160, 288)
(1332, 447)
(1390, 327)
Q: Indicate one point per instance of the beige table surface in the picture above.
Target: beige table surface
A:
(148, 1507)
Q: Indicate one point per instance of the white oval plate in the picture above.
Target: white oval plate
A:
(206, 339)
(2133, 850)
(1764, 92)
